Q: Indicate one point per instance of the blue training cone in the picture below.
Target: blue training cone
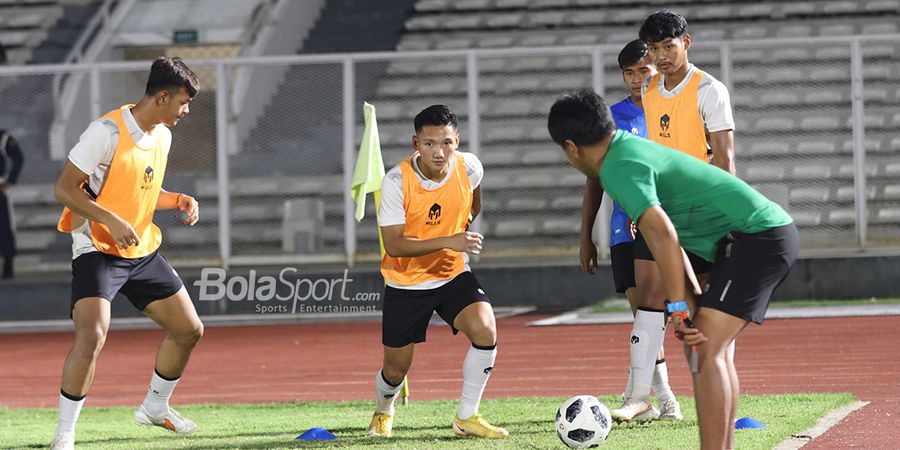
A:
(316, 434)
(747, 422)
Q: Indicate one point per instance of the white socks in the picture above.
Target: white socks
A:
(385, 394)
(646, 340)
(661, 383)
(477, 369)
(69, 409)
(157, 400)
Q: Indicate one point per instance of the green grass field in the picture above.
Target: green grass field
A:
(612, 305)
(419, 425)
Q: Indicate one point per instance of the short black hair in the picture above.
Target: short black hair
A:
(581, 117)
(632, 53)
(171, 74)
(435, 115)
(662, 25)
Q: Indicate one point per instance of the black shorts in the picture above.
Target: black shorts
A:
(642, 251)
(748, 269)
(141, 280)
(407, 311)
(622, 260)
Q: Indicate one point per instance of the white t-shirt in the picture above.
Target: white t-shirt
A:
(93, 154)
(713, 99)
(392, 211)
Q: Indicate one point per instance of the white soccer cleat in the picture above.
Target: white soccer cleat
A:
(638, 409)
(670, 410)
(65, 441)
(171, 421)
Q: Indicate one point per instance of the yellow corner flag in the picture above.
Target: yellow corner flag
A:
(367, 177)
(369, 169)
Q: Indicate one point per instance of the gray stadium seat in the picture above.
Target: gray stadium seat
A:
(798, 8)
(809, 194)
(837, 52)
(550, 155)
(462, 22)
(510, 4)
(843, 216)
(778, 148)
(883, 6)
(492, 157)
(520, 204)
(879, 28)
(806, 218)
(472, 4)
(889, 214)
(779, 97)
(843, 7)
(755, 11)
(589, 18)
(836, 29)
(582, 39)
(514, 228)
(763, 173)
(539, 40)
(432, 5)
(506, 20)
(876, 93)
(561, 227)
(455, 43)
(574, 201)
(546, 18)
(775, 124)
(812, 171)
(794, 31)
(30, 241)
(750, 32)
(807, 147)
(539, 4)
(834, 73)
(826, 96)
(892, 192)
(892, 170)
(820, 123)
(715, 12)
(709, 34)
(848, 193)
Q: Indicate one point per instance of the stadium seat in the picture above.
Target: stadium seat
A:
(573, 202)
(836, 29)
(892, 192)
(820, 123)
(714, 12)
(848, 193)
(750, 32)
(794, 31)
(561, 227)
(755, 11)
(808, 147)
(842, 216)
(841, 7)
(812, 172)
(762, 173)
(526, 204)
(432, 5)
(889, 214)
(775, 124)
(472, 4)
(709, 34)
(886, 6)
(806, 8)
(879, 28)
(769, 148)
(780, 97)
(823, 96)
(806, 218)
(514, 228)
(809, 194)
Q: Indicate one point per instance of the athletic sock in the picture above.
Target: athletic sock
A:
(646, 340)
(385, 394)
(627, 394)
(69, 409)
(477, 368)
(661, 382)
(157, 400)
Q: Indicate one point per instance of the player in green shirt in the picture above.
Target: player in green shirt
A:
(678, 201)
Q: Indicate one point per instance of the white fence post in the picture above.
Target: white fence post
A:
(859, 141)
(222, 164)
(349, 127)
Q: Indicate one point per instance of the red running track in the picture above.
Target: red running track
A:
(338, 362)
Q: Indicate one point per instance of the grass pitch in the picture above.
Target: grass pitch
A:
(419, 425)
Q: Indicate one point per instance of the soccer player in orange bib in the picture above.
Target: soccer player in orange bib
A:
(111, 186)
(427, 204)
(681, 104)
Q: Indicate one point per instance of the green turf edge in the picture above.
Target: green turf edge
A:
(421, 424)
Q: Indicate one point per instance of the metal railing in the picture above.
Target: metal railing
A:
(781, 160)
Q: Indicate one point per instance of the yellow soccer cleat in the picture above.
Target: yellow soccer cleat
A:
(478, 427)
(382, 425)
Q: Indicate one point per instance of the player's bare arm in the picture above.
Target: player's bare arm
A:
(722, 144)
(399, 246)
(68, 192)
(593, 195)
(476, 204)
(182, 202)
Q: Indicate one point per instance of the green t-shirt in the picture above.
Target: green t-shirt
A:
(703, 201)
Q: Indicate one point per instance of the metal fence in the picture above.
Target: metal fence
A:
(270, 144)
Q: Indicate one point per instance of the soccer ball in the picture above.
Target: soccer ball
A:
(583, 422)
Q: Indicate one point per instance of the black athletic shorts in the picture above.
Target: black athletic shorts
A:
(748, 269)
(141, 280)
(407, 311)
(642, 251)
(622, 260)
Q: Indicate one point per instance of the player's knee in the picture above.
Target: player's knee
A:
(707, 356)
(394, 374)
(88, 343)
(485, 334)
(190, 336)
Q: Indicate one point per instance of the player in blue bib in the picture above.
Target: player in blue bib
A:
(628, 115)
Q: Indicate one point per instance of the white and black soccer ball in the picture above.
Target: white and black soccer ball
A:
(583, 422)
